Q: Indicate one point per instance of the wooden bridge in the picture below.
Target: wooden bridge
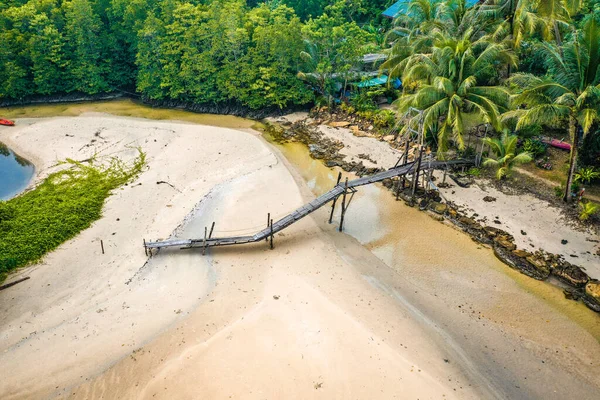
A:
(340, 189)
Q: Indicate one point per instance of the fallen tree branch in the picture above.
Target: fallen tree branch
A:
(13, 283)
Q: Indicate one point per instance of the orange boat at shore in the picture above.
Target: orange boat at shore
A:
(6, 122)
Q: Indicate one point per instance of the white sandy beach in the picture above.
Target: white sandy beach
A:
(82, 311)
(320, 316)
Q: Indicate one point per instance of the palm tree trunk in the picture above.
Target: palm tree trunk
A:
(558, 38)
(573, 157)
(511, 19)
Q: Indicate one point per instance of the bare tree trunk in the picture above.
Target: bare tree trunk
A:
(573, 157)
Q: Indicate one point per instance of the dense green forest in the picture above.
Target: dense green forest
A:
(516, 65)
(193, 51)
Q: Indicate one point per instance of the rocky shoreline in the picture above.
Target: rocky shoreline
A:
(540, 265)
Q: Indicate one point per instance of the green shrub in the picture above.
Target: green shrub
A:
(530, 131)
(559, 190)
(535, 147)
(587, 209)
(474, 171)
(586, 175)
(384, 119)
(66, 203)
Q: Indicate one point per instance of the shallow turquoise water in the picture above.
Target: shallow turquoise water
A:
(15, 173)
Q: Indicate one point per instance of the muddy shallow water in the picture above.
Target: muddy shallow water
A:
(410, 241)
(518, 336)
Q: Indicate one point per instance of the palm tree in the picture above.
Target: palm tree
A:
(505, 149)
(446, 83)
(571, 92)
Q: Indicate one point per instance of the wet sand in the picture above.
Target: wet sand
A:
(519, 336)
(245, 322)
(399, 307)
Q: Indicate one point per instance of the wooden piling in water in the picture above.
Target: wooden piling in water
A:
(204, 244)
(211, 230)
(334, 200)
(343, 205)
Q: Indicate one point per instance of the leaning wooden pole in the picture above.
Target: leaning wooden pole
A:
(204, 244)
(415, 181)
(334, 200)
(271, 234)
(343, 205)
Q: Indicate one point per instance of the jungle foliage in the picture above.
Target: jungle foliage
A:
(213, 52)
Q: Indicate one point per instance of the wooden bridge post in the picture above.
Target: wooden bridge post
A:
(334, 200)
(268, 224)
(415, 181)
(430, 170)
(405, 155)
(204, 243)
(211, 230)
(343, 205)
(271, 234)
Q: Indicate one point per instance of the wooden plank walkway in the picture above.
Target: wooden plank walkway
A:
(305, 210)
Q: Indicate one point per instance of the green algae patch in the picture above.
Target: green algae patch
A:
(63, 205)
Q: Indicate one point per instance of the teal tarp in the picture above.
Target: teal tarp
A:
(401, 7)
(382, 80)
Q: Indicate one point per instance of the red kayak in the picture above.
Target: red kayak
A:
(6, 122)
(559, 144)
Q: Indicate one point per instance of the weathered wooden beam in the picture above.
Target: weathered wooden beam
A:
(271, 234)
(339, 178)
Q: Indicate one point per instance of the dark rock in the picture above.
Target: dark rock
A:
(520, 264)
(592, 295)
(564, 241)
(570, 274)
(489, 199)
(521, 253)
(539, 264)
(438, 208)
(523, 232)
(493, 232)
(467, 221)
(505, 241)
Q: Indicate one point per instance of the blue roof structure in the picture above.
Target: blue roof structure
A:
(401, 7)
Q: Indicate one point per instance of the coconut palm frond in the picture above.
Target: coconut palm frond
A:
(545, 114)
(588, 117)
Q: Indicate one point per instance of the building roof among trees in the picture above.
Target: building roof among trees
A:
(401, 7)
